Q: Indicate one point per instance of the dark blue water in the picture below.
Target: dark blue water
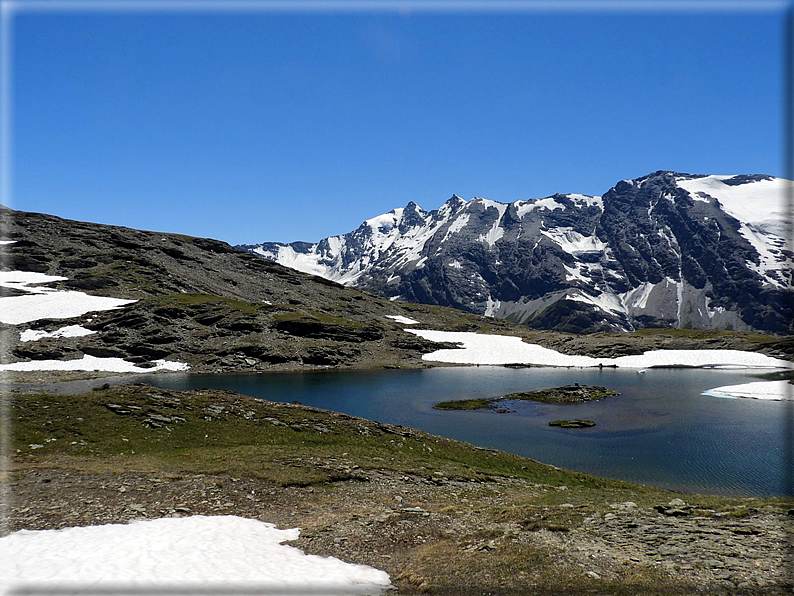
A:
(659, 431)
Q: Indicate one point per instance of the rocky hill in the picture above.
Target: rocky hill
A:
(201, 302)
(665, 250)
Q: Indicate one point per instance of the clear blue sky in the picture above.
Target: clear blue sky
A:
(272, 126)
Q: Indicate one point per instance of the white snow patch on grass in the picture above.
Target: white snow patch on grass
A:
(92, 363)
(54, 305)
(402, 319)
(47, 303)
(503, 349)
(199, 552)
(495, 349)
(68, 331)
(22, 279)
(724, 359)
(771, 390)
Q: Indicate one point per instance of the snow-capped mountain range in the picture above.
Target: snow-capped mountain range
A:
(664, 250)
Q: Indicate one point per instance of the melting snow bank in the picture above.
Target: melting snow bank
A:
(68, 331)
(502, 349)
(772, 390)
(50, 303)
(223, 552)
(402, 319)
(47, 303)
(92, 363)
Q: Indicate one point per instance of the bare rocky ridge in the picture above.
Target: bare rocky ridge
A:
(202, 302)
(664, 250)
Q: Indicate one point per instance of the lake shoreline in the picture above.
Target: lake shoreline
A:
(436, 520)
(522, 431)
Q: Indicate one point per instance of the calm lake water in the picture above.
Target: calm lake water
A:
(658, 431)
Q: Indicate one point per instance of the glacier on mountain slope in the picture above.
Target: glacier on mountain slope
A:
(760, 208)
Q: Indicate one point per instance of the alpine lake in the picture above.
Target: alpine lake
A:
(659, 431)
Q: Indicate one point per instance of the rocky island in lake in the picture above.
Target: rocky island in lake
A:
(567, 394)
(575, 423)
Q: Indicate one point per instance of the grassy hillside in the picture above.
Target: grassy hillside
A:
(440, 516)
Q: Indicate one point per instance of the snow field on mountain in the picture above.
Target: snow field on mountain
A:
(759, 206)
(502, 349)
(771, 390)
(496, 232)
(456, 226)
(760, 203)
(524, 207)
(573, 242)
(198, 552)
(287, 256)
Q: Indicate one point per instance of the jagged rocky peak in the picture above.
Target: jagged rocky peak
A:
(455, 201)
(413, 215)
(667, 249)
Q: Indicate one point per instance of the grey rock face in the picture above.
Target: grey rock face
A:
(201, 302)
(664, 250)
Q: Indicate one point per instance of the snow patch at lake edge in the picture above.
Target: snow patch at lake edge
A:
(503, 349)
(93, 364)
(768, 390)
(39, 302)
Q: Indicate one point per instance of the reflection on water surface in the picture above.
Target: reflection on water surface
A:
(659, 431)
